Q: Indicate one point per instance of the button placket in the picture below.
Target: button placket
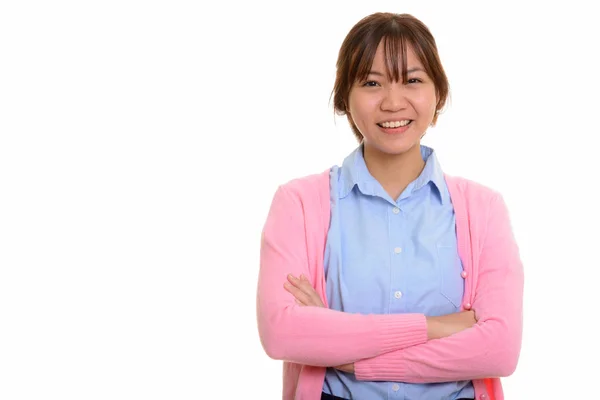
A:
(396, 240)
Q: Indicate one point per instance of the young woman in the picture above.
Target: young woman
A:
(386, 278)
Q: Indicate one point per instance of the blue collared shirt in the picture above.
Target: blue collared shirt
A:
(384, 256)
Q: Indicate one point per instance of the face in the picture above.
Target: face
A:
(392, 116)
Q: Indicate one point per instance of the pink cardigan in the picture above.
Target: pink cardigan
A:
(390, 347)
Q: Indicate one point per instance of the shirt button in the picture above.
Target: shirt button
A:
(395, 387)
(398, 250)
(483, 397)
(467, 306)
(398, 294)
(464, 274)
(396, 210)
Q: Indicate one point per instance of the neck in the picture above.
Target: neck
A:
(394, 171)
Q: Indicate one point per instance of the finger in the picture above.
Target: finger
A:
(305, 286)
(302, 284)
(294, 281)
(310, 291)
(304, 295)
(298, 294)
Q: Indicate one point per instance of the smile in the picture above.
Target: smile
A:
(395, 124)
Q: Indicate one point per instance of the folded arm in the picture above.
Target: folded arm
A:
(490, 348)
(313, 335)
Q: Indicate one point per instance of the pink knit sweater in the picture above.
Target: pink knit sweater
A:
(392, 347)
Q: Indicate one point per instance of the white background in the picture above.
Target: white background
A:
(141, 144)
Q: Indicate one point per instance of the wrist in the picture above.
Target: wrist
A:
(434, 328)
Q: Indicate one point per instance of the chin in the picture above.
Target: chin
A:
(394, 148)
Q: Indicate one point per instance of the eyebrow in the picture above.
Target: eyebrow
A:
(408, 71)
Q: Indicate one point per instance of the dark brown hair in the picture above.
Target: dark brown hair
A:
(397, 31)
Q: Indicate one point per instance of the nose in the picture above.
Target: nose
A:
(394, 98)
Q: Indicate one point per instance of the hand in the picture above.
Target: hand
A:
(306, 295)
(349, 368)
(447, 325)
(463, 320)
(303, 291)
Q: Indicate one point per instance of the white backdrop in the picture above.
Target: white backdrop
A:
(141, 143)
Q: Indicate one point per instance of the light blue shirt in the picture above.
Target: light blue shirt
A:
(384, 256)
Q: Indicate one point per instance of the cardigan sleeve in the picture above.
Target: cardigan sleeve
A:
(491, 347)
(314, 335)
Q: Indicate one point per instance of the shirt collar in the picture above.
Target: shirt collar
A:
(354, 172)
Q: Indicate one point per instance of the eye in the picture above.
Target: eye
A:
(370, 84)
(415, 80)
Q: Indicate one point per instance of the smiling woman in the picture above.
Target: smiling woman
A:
(401, 52)
(385, 277)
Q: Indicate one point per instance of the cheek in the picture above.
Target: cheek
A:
(426, 103)
(362, 107)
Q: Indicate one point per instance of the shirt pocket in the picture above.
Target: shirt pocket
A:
(449, 269)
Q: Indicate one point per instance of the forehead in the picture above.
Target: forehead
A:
(391, 55)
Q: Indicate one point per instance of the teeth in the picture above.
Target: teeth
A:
(395, 124)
